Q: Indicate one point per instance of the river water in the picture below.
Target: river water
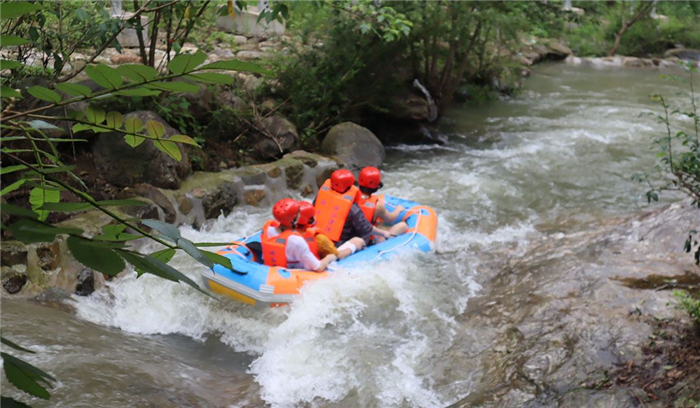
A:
(419, 330)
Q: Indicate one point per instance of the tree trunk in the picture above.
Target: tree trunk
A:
(641, 13)
(139, 36)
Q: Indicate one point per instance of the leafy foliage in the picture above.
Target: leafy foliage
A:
(27, 27)
(678, 154)
(689, 304)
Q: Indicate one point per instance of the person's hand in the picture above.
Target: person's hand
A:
(400, 208)
(386, 234)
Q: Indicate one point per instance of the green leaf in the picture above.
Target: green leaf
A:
(39, 196)
(168, 231)
(114, 120)
(183, 139)
(164, 255)
(30, 231)
(138, 92)
(12, 169)
(40, 125)
(194, 252)
(45, 94)
(137, 73)
(94, 115)
(7, 92)
(235, 65)
(105, 76)
(81, 127)
(133, 125)
(14, 345)
(155, 129)
(16, 210)
(50, 170)
(69, 207)
(116, 233)
(12, 187)
(186, 62)
(212, 244)
(11, 40)
(8, 402)
(174, 87)
(211, 78)
(159, 268)
(6, 64)
(169, 148)
(26, 377)
(13, 9)
(74, 89)
(218, 259)
(95, 257)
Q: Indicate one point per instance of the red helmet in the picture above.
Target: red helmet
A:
(286, 211)
(371, 177)
(307, 211)
(342, 180)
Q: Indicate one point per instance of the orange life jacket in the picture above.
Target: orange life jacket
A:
(332, 209)
(310, 238)
(368, 207)
(273, 248)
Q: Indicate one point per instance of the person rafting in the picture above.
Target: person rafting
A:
(338, 216)
(284, 246)
(306, 226)
(374, 206)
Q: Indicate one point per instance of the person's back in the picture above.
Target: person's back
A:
(374, 208)
(338, 216)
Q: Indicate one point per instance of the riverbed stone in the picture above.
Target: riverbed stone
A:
(123, 166)
(294, 172)
(155, 195)
(13, 253)
(86, 282)
(220, 201)
(325, 175)
(184, 204)
(14, 283)
(354, 145)
(407, 105)
(307, 191)
(254, 196)
(274, 172)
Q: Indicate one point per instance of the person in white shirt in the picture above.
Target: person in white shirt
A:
(281, 236)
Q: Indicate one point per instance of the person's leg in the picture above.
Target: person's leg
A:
(350, 247)
(398, 228)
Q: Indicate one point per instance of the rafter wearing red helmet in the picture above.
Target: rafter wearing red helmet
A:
(284, 246)
(374, 206)
(306, 224)
(337, 214)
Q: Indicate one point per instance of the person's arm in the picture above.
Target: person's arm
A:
(325, 262)
(385, 214)
(362, 227)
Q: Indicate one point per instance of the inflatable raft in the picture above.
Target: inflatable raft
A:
(254, 283)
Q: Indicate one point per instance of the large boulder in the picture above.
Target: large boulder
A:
(280, 137)
(411, 107)
(683, 54)
(124, 166)
(354, 145)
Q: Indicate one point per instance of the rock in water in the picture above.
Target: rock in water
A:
(124, 166)
(86, 283)
(354, 145)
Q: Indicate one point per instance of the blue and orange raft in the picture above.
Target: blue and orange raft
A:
(260, 285)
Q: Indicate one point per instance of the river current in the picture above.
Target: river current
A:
(553, 161)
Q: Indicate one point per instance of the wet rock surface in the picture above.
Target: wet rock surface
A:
(559, 318)
(354, 145)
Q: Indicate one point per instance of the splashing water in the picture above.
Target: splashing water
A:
(544, 164)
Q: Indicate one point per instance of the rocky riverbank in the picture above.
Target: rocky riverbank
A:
(558, 338)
